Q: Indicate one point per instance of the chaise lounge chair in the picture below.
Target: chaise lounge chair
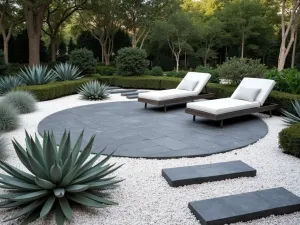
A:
(249, 97)
(188, 90)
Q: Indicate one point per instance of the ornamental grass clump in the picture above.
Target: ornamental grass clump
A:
(23, 101)
(9, 117)
(57, 178)
(94, 90)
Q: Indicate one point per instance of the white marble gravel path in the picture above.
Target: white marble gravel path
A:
(145, 198)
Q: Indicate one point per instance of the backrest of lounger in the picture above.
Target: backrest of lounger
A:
(202, 79)
(265, 86)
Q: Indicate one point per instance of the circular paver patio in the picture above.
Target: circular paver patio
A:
(134, 131)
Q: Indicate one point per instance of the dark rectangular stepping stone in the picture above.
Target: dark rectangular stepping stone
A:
(119, 91)
(133, 93)
(112, 88)
(245, 207)
(206, 173)
(132, 96)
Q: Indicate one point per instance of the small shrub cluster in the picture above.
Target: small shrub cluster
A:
(289, 140)
(235, 69)
(287, 80)
(22, 101)
(93, 90)
(174, 73)
(9, 117)
(106, 70)
(84, 59)
(156, 71)
(131, 61)
(215, 78)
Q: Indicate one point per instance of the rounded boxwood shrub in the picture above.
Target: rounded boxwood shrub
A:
(9, 119)
(23, 101)
(106, 70)
(235, 69)
(156, 71)
(173, 73)
(289, 140)
(84, 59)
(131, 61)
(215, 78)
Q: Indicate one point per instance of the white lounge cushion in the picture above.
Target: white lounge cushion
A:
(223, 105)
(202, 79)
(247, 94)
(166, 94)
(188, 85)
(265, 85)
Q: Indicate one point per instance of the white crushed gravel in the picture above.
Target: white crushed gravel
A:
(145, 198)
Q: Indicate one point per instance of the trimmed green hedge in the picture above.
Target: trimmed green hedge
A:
(289, 140)
(59, 89)
(55, 89)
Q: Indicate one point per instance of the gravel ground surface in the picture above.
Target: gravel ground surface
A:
(145, 198)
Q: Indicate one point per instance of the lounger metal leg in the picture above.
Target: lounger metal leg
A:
(221, 123)
(145, 105)
(165, 108)
(270, 113)
(194, 117)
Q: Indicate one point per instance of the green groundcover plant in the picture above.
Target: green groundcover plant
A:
(57, 178)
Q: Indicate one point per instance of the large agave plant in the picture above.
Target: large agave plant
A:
(37, 75)
(9, 83)
(291, 118)
(93, 90)
(66, 71)
(58, 178)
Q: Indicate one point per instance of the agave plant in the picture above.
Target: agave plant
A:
(93, 90)
(291, 118)
(58, 178)
(66, 71)
(37, 75)
(9, 83)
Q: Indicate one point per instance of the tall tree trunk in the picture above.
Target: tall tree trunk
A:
(243, 46)
(5, 46)
(53, 49)
(133, 40)
(34, 21)
(294, 51)
(177, 63)
(102, 54)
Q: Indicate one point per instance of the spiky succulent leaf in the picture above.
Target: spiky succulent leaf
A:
(93, 90)
(9, 83)
(66, 71)
(60, 176)
(37, 75)
(291, 118)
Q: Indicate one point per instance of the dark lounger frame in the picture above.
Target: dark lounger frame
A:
(222, 117)
(174, 100)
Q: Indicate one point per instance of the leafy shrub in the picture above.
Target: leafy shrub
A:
(66, 71)
(156, 71)
(131, 61)
(147, 72)
(3, 64)
(57, 178)
(23, 101)
(213, 72)
(84, 59)
(289, 140)
(54, 90)
(287, 80)
(37, 75)
(106, 70)
(94, 90)
(9, 83)
(235, 69)
(173, 73)
(9, 119)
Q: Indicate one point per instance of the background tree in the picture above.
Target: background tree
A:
(56, 15)
(177, 31)
(290, 18)
(34, 11)
(10, 16)
(244, 19)
(71, 45)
